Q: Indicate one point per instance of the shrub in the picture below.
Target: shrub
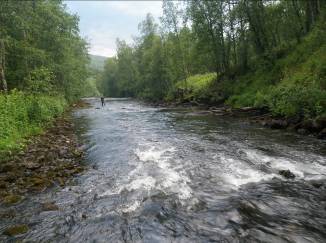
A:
(294, 99)
(22, 115)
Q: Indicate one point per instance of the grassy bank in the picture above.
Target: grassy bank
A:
(23, 115)
(293, 85)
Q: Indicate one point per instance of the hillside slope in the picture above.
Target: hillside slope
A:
(294, 85)
(97, 62)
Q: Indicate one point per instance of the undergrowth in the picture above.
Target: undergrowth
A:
(23, 115)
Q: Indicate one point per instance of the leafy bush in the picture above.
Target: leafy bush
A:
(40, 81)
(291, 100)
(22, 115)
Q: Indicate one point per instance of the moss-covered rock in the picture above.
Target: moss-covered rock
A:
(16, 230)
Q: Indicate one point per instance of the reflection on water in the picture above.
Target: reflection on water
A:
(171, 175)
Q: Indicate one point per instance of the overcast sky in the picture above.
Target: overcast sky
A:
(101, 22)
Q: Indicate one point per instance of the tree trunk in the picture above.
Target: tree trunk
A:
(3, 82)
(312, 12)
(243, 47)
(255, 25)
(296, 10)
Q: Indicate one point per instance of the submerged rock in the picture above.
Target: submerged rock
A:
(303, 131)
(287, 174)
(278, 124)
(16, 230)
(316, 183)
(308, 125)
(49, 206)
(8, 214)
(12, 199)
(322, 134)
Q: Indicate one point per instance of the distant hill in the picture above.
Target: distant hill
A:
(97, 62)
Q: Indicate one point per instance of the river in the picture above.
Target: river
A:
(181, 175)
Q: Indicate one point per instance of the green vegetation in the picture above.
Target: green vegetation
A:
(258, 53)
(22, 115)
(199, 88)
(43, 67)
(293, 86)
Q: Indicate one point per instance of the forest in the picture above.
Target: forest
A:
(257, 53)
(43, 66)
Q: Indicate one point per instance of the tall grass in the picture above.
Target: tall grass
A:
(198, 88)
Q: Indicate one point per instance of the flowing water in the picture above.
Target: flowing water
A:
(173, 175)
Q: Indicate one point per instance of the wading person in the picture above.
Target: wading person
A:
(102, 101)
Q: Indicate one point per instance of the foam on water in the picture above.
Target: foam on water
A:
(151, 154)
(237, 173)
(302, 169)
(171, 180)
(144, 183)
(153, 172)
(130, 208)
(177, 183)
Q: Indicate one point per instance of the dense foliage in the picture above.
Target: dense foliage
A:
(41, 47)
(43, 66)
(243, 52)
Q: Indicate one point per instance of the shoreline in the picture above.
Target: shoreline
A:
(49, 159)
(315, 127)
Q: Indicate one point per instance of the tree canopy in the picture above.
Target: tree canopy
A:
(41, 48)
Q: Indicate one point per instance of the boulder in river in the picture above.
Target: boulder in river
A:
(287, 174)
(317, 183)
(302, 131)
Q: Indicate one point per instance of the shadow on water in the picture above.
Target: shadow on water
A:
(159, 175)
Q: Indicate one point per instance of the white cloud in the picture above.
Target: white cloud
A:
(102, 22)
(138, 8)
(103, 41)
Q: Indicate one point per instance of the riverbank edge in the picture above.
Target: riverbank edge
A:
(49, 159)
(262, 116)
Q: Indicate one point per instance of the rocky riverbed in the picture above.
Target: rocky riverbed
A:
(49, 159)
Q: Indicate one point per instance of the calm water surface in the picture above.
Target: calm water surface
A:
(173, 175)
